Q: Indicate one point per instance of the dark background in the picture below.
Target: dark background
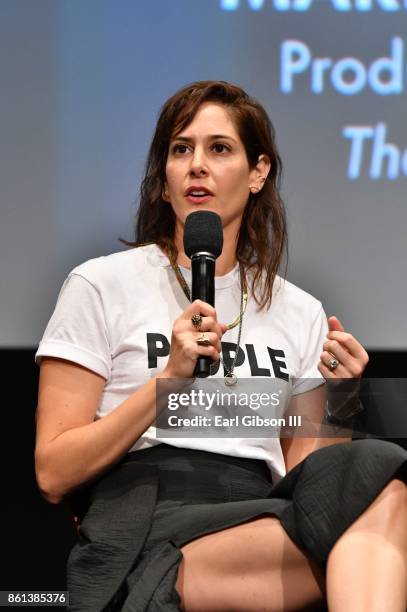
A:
(37, 536)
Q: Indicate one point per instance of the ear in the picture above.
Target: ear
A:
(164, 194)
(259, 173)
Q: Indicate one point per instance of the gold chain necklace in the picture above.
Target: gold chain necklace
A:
(230, 378)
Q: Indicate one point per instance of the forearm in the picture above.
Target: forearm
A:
(79, 455)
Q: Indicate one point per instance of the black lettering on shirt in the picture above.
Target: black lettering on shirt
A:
(157, 346)
(228, 355)
(254, 367)
(277, 363)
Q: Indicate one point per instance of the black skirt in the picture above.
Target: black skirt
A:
(154, 501)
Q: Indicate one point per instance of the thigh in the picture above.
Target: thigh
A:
(251, 566)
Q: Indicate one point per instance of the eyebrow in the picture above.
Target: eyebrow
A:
(211, 137)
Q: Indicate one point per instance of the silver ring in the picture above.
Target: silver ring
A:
(333, 364)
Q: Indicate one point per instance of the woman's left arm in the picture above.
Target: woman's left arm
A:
(352, 359)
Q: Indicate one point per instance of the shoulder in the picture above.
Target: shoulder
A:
(295, 300)
(286, 291)
(121, 267)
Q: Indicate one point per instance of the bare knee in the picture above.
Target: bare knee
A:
(393, 497)
(385, 517)
(397, 487)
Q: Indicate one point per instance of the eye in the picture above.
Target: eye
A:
(220, 147)
(179, 148)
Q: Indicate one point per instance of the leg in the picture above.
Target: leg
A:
(367, 567)
(253, 566)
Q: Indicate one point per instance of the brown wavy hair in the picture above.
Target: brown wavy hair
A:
(262, 240)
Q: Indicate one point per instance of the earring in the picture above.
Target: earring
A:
(255, 189)
(165, 196)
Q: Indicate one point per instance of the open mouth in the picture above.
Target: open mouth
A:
(198, 195)
(199, 198)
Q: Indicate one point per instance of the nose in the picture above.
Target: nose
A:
(198, 163)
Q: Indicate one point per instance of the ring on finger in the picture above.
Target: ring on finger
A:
(333, 363)
(196, 320)
(203, 340)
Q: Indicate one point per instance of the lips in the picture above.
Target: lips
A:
(198, 195)
(195, 190)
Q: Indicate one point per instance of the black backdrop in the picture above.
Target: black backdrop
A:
(37, 536)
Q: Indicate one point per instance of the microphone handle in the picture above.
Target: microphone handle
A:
(203, 288)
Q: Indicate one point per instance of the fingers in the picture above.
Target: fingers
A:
(348, 351)
(209, 318)
(335, 324)
(339, 372)
(189, 347)
(326, 372)
(185, 349)
(333, 350)
(199, 307)
(348, 342)
(210, 325)
(212, 351)
(211, 337)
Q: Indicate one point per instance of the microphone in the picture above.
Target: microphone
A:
(203, 242)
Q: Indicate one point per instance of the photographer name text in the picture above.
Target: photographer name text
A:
(255, 420)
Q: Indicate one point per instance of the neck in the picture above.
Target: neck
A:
(224, 263)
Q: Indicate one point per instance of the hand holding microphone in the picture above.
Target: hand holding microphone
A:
(196, 335)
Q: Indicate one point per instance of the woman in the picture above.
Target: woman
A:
(215, 523)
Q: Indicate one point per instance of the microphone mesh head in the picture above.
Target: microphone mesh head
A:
(203, 232)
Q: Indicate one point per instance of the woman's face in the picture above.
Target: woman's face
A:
(208, 154)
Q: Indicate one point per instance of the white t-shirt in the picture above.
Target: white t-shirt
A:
(114, 315)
